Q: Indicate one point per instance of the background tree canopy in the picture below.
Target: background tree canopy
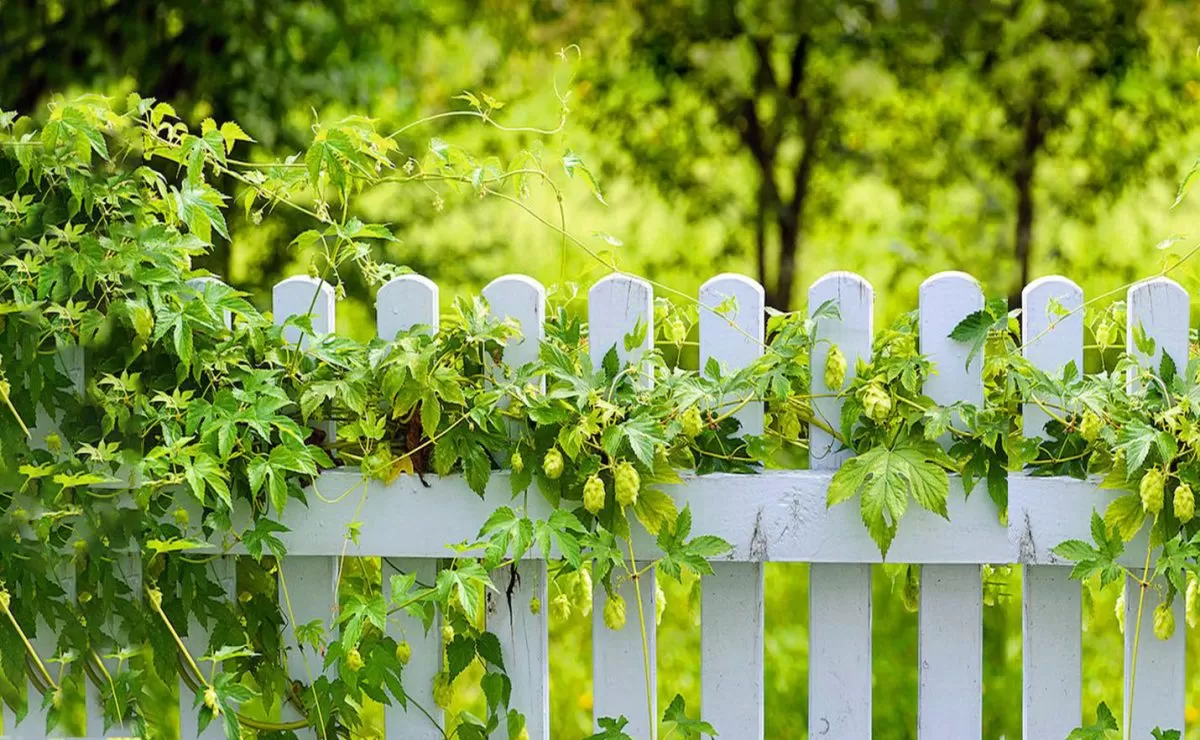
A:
(894, 138)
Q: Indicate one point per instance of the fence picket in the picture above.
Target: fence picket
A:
(950, 699)
(1052, 617)
(524, 636)
(950, 631)
(129, 567)
(224, 569)
(69, 361)
(46, 645)
(839, 632)
(617, 305)
(731, 671)
(307, 584)
(1160, 306)
(402, 304)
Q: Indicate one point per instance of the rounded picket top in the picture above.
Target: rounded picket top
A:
(201, 286)
(616, 305)
(850, 330)
(295, 297)
(1052, 335)
(732, 320)
(734, 337)
(522, 299)
(945, 299)
(1052, 321)
(404, 302)
(1159, 307)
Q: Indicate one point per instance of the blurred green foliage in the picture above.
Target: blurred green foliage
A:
(1006, 138)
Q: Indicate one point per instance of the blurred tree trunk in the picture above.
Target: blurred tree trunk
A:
(1023, 175)
(763, 139)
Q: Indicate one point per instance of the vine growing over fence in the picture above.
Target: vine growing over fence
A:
(193, 406)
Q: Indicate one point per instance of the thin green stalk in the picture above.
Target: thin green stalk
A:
(1137, 637)
(637, 590)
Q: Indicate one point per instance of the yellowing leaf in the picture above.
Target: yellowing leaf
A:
(231, 132)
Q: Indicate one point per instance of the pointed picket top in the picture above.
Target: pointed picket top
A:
(851, 331)
(734, 338)
(404, 302)
(302, 295)
(1160, 307)
(616, 305)
(946, 299)
(522, 299)
(1051, 335)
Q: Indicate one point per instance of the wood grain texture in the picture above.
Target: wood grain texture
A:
(617, 306)
(731, 670)
(950, 622)
(1051, 614)
(1160, 307)
(404, 304)
(524, 636)
(307, 584)
(839, 633)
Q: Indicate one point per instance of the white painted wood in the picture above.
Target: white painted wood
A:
(129, 566)
(307, 584)
(307, 593)
(735, 340)
(616, 305)
(1042, 512)
(851, 333)
(1051, 654)
(731, 671)
(403, 304)
(406, 302)
(224, 570)
(618, 673)
(945, 300)
(1160, 307)
(1158, 697)
(524, 636)
(425, 663)
(522, 299)
(45, 643)
(1052, 617)
(299, 296)
(1050, 339)
(524, 642)
(950, 650)
(839, 636)
(70, 362)
(950, 631)
(776, 516)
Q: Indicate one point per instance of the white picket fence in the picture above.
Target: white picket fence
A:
(777, 516)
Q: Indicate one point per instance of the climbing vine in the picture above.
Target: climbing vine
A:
(144, 412)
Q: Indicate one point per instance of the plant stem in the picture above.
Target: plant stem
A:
(637, 590)
(1137, 636)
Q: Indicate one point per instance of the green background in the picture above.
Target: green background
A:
(1009, 138)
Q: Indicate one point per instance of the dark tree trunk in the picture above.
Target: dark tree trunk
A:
(1023, 176)
(760, 236)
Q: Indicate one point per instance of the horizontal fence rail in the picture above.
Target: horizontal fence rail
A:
(773, 516)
